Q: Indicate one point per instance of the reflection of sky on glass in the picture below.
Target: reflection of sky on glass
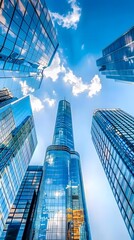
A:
(27, 41)
(50, 160)
(100, 24)
(117, 59)
(64, 205)
(21, 109)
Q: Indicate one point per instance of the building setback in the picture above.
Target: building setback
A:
(17, 144)
(19, 222)
(61, 211)
(113, 136)
(6, 97)
(117, 61)
(27, 44)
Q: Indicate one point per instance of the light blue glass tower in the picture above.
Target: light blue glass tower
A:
(28, 44)
(17, 144)
(113, 136)
(117, 61)
(61, 211)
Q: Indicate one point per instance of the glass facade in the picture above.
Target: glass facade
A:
(61, 211)
(113, 136)
(6, 97)
(17, 144)
(19, 222)
(118, 58)
(27, 44)
(63, 133)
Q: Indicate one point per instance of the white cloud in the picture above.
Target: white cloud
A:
(82, 47)
(51, 102)
(25, 88)
(71, 19)
(78, 86)
(36, 104)
(95, 86)
(55, 69)
(54, 93)
(14, 79)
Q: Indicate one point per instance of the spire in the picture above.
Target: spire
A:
(63, 133)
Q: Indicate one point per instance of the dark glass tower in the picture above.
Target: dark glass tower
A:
(117, 61)
(6, 97)
(61, 212)
(27, 44)
(113, 136)
(19, 222)
(17, 144)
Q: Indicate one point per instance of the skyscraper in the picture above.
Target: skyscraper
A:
(61, 212)
(6, 97)
(19, 222)
(117, 61)
(27, 44)
(17, 144)
(113, 136)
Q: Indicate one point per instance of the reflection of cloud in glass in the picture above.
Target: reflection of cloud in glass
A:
(50, 160)
(56, 222)
(2, 18)
(59, 194)
(49, 181)
(125, 58)
(21, 7)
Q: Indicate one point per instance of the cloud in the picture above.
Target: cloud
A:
(82, 47)
(55, 69)
(95, 86)
(25, 88)
(51, 102)
(78, 86)
(71, 19)
(36, 104)
(76, 82)
(54, 93)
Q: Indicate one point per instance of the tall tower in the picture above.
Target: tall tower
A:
(17, 144)
(28, 44)
(117, 61)
(61, 212)
(113, 136)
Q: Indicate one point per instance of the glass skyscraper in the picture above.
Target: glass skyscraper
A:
(17, 144)
(6, 97)
(27, 44)
(19, 222)
(61, 211)
(117, 61)
(113, 136)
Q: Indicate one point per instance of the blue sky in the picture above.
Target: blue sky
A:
(84, 28)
